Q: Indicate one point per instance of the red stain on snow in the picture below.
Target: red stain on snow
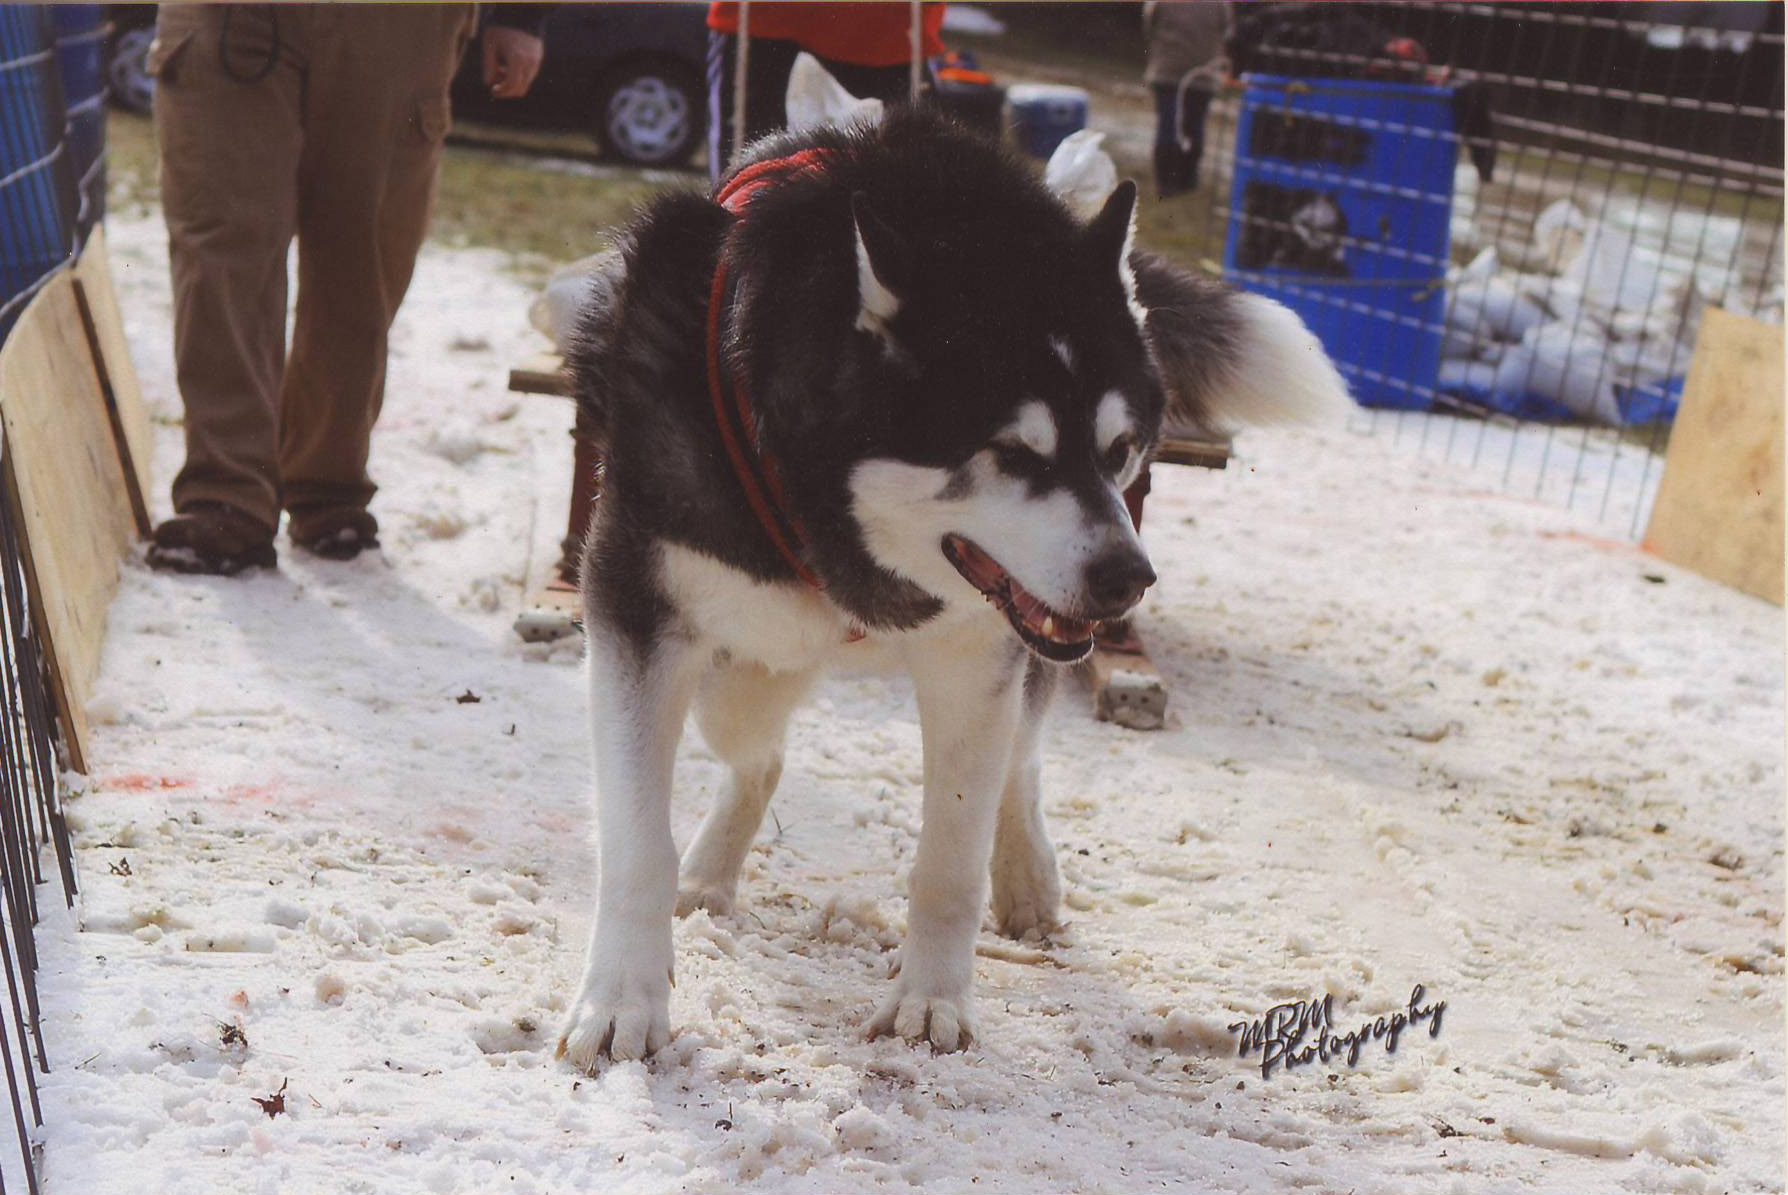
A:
(249, 794)
(137, 782)
(557, 823)
(1618, 547)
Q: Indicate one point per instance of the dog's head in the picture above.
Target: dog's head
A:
(1023, 405)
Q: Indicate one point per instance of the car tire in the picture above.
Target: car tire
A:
(127, 69)
(650, 112)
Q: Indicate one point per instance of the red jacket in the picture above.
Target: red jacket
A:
(858, 33)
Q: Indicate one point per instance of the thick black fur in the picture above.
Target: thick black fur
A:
(1194, 332)
(987, 265)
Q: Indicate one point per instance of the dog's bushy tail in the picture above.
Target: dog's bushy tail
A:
(1230, 359)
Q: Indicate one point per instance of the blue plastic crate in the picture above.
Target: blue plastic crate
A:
(1045, 114)
(1343, 194)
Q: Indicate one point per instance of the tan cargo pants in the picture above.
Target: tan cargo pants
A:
(322, 122)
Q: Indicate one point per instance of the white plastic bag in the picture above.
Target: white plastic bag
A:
(1568, 366)
(815, 99)
(571, 289)
(1484, 306)
(1462, 376)
(1082, 173)
(1464, 220)
(1557, 237)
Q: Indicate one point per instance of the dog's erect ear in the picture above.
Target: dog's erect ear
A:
(1108, 236)
(1109, 239)
(880, 253)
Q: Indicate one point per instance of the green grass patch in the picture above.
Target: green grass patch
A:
(133, 182)
(541, 212)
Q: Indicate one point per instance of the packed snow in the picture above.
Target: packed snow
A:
(337, 865)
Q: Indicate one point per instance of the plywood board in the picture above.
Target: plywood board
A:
(1719, 504)
(117, 375)
(72, 496)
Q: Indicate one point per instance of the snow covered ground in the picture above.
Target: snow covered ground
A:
(337, 844)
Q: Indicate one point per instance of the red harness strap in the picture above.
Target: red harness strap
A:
(742, 186)
(754, 467)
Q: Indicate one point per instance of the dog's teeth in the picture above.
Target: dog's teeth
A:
(1049, 627)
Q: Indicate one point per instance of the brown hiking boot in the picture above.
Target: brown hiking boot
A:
(334, 532)
(213, 538)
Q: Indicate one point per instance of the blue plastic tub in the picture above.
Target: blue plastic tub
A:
(37, 197)
(1045, 114)
(80, 53)
(1343, 192)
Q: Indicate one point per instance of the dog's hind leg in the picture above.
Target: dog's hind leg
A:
(970, 689)
(743, 712)
(1027, 887)
(639, 695)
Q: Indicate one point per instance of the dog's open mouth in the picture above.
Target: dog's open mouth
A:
(1052, 635)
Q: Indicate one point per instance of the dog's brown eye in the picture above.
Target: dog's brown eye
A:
(1118, 455)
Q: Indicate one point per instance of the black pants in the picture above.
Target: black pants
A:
(1176, 164)
(766, 89)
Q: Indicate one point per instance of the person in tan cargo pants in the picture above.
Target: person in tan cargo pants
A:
(323, 122)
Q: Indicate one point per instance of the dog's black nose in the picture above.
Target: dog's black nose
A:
(1115, 582)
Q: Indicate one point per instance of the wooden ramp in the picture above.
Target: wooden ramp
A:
(76, 456)
(1719, 505)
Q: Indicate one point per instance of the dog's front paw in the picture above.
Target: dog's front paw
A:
(1027, 888)
(943, 1021)
(693, 894)
(624, 1020)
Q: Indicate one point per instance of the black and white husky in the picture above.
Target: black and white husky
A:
(878, 398)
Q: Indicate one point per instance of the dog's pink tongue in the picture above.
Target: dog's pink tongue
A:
(1003, 589)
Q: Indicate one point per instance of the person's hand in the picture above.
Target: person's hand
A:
(511, 60)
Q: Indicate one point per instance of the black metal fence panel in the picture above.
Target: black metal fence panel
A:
(52, 182)
(1602, 175)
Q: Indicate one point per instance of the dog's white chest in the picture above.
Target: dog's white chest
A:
(783, 627)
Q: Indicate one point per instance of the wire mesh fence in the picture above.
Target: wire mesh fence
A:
(1505, 221)
(51, 193)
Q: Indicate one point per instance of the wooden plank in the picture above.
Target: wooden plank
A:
(117, 375)
(72, 715)
(544, 374)
(1127, 688)
(551, 607)
(72, 495)
(1719, 505)
(550, 611)
(1191, 450)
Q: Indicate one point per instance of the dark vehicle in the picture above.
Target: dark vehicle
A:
(127, 72)
(632, 75)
